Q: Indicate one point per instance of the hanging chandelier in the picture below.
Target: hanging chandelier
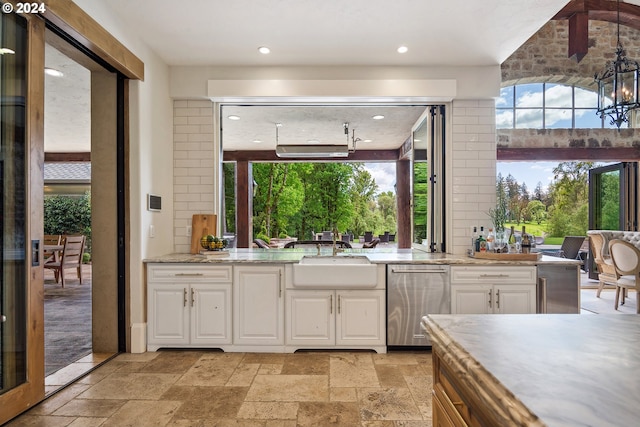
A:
(618, 86)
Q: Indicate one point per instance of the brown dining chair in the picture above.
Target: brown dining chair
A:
(71, 257)
(626, 259)
(51, 240)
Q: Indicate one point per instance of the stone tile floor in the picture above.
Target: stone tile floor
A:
(207, 388)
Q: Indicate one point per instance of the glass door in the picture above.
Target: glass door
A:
(428, 180)
(21, 317)
(613, 200)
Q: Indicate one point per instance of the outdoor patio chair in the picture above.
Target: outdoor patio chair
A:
(372, 244)
(570, 249)
(261, 244)
(50, 240)
(313, 243)
(71, 257)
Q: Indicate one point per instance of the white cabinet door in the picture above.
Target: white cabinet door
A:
(311, 317)
(258, 315)
(488, 299)
(168, 314)
(471, 299)
(210, 314)
(360, 318)
(515, 299)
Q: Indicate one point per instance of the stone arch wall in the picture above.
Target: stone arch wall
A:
(543, 58)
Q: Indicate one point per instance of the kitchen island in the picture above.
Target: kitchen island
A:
(535, 370)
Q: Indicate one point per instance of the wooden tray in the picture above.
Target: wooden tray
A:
(508, 257)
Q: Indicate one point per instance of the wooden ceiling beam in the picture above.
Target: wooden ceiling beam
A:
(67, 157)
(578, 35)
(605, 154)
(602, 10)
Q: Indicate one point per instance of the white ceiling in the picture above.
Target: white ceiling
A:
(335, 32)
(317, 33)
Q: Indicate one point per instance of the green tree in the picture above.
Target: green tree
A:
(537, 211)
(569, 213)
(610, 209)
(68, 215)
(420, 199)
(363, 191)
(387, 209)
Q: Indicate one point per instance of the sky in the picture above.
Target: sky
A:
(384, 174)
(530, 173)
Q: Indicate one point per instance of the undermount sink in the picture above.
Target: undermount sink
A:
(335, 272)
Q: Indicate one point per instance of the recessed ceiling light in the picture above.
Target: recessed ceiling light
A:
(403, 49)
(53, 72)
(233, 117)
(313, 141)
(367, 140)
(257, 141)
(378, 117)
(4, 50)
(264, 50)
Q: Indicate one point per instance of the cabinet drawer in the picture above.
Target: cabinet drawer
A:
(174, 273)
(493, 275)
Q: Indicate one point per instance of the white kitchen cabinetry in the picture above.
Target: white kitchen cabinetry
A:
(329, 318)
(188, 306)
(494, 289)
(258, 308)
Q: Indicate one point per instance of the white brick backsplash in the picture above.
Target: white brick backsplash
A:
(186, 112)
(473, 168)
(193, 165)
(465, 120)
(196, 103)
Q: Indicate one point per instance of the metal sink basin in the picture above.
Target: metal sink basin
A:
(335, 272)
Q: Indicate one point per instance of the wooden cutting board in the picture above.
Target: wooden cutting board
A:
(201, 224)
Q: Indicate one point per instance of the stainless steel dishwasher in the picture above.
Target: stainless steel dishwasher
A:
(414, 290)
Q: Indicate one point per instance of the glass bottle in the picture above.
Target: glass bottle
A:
(474, 237)
(481, 246)
(512, 240)
(526, 242)
(491, 240)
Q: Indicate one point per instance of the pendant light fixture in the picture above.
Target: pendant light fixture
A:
(618, 86)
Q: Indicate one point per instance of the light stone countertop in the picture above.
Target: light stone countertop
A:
(564, 369)
(377, 255)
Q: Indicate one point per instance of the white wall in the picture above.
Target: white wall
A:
(150, 156)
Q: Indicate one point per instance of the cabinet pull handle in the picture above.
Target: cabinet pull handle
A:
(184, 296)
(280, 290)
(339, 300)
(330, 304)
(493, 275)
(189, 274)
(192, 296)
(498, 299)
(490, 294)
(393, 270)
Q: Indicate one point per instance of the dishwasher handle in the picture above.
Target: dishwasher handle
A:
(393, 270)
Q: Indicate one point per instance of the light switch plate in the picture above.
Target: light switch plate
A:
(189, 230)
(152, 231)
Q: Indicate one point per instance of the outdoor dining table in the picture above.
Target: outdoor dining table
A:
(52, 249)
